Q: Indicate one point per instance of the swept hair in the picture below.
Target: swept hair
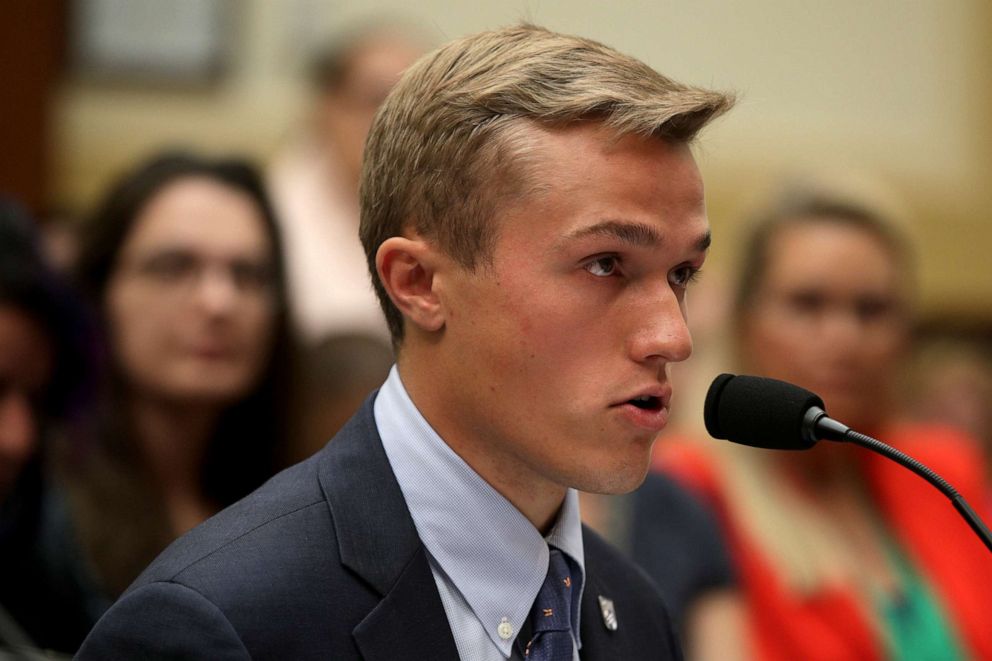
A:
(452, 141)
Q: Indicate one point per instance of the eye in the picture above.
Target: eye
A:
(603, 267)
(170, 266)
(251, 275)
(807, 302)
(870, 309)
(682, 276)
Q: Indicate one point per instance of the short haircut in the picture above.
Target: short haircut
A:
(445, 147)
(796, 208)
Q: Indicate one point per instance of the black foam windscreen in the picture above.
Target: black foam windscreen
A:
(760, 412)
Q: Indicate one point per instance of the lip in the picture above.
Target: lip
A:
(212, 352)
(650, 419)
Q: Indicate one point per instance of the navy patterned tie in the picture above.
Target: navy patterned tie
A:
(551, 616)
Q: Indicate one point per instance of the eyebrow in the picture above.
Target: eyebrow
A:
(635, 234)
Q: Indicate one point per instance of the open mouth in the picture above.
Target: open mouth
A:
(646, 403)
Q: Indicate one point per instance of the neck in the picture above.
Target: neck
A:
(829, 468)
(173, 438)
(537, 498)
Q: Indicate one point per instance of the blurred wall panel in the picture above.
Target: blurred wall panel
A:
(896, 89)
(31, 46)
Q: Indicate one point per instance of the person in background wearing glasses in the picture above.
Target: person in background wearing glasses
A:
(182, 266)
(532, 216)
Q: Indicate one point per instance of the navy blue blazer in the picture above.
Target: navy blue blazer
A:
(324, 562)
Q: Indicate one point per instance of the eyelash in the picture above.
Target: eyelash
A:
(613, 259)
(691, 273)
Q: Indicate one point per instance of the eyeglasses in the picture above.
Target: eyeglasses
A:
(182, 270)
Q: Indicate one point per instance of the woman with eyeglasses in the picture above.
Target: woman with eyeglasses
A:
(182, 264)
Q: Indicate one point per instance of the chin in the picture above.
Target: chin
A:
(214, 388)
(614, 480)
(853, 412)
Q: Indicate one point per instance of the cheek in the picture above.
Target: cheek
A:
(258, 322)
(138, 332)
(259, 333)
(774, 343)
(884, 353)
(546, 336)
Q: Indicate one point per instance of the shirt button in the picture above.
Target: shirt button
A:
(505, 629)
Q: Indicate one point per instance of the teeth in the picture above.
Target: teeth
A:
(643, 398)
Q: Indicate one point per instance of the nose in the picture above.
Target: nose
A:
(216, 291)
(662, 333)
(17, 429)
(841, 329)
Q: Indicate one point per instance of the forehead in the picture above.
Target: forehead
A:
(830, 252)
(199, 214)
(586, 174)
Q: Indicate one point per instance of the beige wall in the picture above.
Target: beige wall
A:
(898, 89)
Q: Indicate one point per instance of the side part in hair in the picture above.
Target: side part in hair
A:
(444, 148)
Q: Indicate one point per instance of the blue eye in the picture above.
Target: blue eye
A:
(603, 266)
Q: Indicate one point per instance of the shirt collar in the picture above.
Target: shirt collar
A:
(492, 554)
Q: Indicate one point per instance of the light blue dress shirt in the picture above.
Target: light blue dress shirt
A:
(488, 560)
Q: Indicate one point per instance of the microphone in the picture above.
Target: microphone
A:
(776, 415)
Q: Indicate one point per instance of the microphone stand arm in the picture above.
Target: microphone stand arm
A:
(827, 428)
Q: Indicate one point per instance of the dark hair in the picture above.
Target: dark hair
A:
(244, 449)
(30, 285)
(803, 208)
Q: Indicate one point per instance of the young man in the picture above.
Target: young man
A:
(532, 216)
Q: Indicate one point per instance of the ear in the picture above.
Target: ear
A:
(406, 268)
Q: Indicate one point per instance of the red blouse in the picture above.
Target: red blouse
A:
(832, 625)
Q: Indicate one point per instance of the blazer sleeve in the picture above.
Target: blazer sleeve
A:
(163, 620)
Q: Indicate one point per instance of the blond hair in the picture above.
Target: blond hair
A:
(448, 144)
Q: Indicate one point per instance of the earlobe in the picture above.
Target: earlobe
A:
(406, 268)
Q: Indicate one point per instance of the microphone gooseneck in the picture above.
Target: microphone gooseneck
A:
(776, 415)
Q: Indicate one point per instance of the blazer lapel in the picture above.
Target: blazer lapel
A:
(409, 624)
(598, 642)
(378, 541)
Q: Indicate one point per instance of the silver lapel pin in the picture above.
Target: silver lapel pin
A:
(609, 613)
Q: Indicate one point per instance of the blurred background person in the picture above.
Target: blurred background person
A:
(675, 538)
(182, 265)
(335, 377)
(314, 180)
(843, 554)
(45, 361)
(951, 383)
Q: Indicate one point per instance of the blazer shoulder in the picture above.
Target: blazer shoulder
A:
(264, 518)
(173, 620)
